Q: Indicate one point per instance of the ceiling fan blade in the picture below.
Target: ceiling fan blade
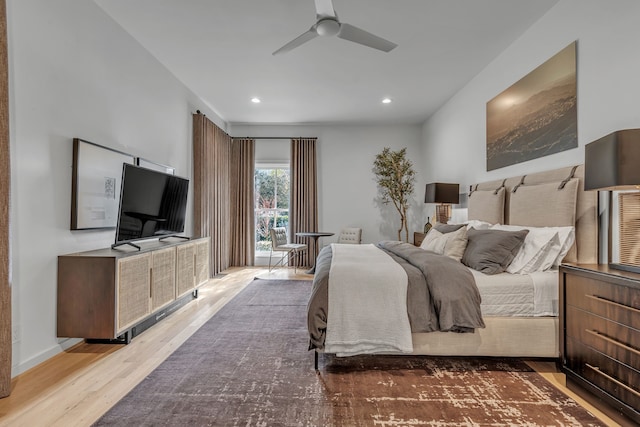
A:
(325, 8)
(301, 39)
(356, 35)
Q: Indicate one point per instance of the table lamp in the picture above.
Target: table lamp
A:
(445, 195)
(612, 163)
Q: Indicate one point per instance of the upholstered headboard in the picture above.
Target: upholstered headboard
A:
(551, 198)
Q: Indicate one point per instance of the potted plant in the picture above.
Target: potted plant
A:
(395, 177)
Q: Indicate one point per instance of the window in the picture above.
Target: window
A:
(271, 203)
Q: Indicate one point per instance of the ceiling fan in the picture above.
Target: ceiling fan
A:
(327, 24)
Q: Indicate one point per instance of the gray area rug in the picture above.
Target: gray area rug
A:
(249, 366)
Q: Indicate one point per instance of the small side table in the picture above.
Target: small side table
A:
(418, 238)
(315, 235)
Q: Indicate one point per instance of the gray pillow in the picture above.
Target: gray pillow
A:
(448, 228)
(491, 251)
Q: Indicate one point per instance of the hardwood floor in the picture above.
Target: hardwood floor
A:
(549, 372)
(77, 386)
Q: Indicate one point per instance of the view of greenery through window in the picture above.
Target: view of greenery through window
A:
(271, 204)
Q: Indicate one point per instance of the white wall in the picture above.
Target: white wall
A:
(608, 71)
(273, 151)
(346, 186)
(75, 73)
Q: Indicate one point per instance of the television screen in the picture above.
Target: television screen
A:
(152, 204)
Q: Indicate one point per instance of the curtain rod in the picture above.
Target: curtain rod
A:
(274, 137)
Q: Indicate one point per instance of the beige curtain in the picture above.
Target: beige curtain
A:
(211, 190)
(5, 288)
(303, 210)
(242, 202)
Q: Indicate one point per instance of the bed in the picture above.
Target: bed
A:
(517, 319)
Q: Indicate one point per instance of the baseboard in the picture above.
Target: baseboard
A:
(65, 343)
(25, 365)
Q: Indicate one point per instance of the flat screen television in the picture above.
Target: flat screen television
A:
(152, 204)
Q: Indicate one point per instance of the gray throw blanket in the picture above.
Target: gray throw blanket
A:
(441, 295)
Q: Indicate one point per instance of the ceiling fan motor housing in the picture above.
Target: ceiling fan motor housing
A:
(328, 27)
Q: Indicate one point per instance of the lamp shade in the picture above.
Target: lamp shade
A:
(438, 192)
(613, 161)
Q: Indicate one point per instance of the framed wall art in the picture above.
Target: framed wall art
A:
(95, 186)
(536, 116)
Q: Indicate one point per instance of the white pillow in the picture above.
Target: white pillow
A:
(566, 237)
(477, 224)
(449, 244)
(434, 241)
(473, 223)
(534, 254)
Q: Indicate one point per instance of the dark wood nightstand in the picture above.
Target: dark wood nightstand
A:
(600, 337)
(418, 238)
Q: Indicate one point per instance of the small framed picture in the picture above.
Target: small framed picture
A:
(155, 166)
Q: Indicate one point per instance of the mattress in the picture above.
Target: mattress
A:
(518, 295)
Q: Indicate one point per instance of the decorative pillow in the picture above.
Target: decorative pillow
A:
(487, 206)
(447, 228)
(491, 251)
(534, 253)
(456, 244)
(450, 244)
(544, 205)
(434, 241)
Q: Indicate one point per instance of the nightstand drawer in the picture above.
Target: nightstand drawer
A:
(613, 339)
(619, 303)
(617, 379)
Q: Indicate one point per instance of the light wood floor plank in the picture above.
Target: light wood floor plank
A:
(76, 387)
(549, 372)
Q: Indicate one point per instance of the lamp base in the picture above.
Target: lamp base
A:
(443, 213)
(625, 267)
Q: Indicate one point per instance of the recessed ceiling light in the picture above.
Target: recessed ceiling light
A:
(386, 101)
(255, 100)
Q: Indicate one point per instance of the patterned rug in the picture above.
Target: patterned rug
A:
(249, 366)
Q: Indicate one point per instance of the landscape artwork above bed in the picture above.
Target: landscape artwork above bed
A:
(536, 116)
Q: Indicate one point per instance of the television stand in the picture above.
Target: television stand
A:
(116, 245)
(115, 295)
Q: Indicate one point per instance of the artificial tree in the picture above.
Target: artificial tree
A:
(395, 177)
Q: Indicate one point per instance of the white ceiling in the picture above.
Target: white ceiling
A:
(222, 51)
